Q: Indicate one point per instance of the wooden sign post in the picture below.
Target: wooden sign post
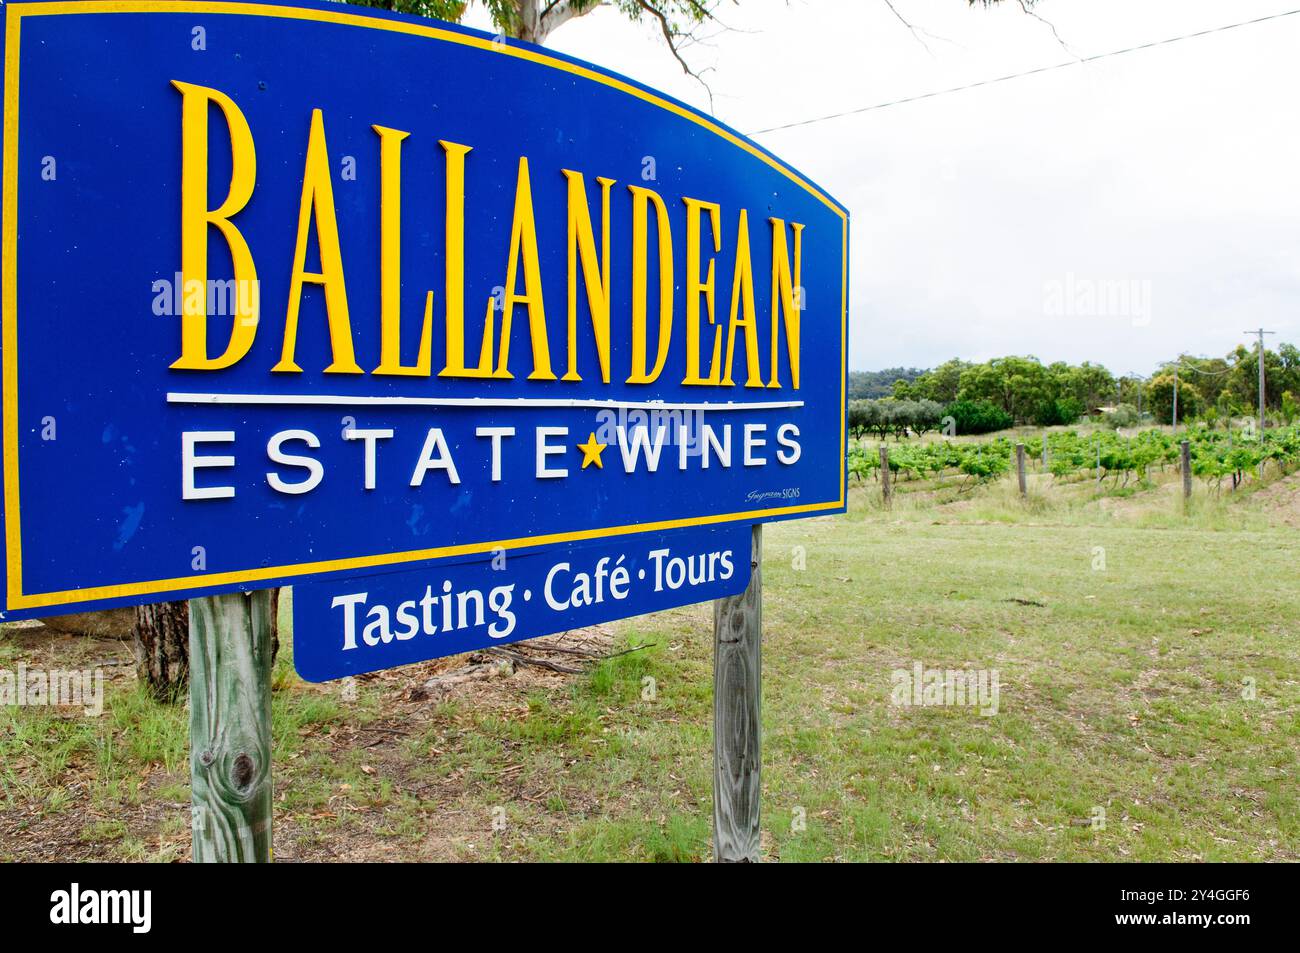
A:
(737, 717)
(230, 727)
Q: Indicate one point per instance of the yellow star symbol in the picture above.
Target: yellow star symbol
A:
(591, 451)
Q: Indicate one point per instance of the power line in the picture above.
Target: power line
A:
(1033, 72)
(1200, 370)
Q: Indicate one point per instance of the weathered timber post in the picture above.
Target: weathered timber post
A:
(885, 491)
(1187, 471)
(1020, 468)
(230, 727)
(737, 716)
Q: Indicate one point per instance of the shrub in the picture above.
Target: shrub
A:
(1125, 415)
(1060, 412)
(977, 416)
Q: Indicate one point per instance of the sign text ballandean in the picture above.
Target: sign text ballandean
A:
(308, 290)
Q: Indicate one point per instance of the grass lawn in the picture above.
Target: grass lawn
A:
(1148, 709)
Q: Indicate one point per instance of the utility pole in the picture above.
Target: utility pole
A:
(1175, 398)
(1260, 356)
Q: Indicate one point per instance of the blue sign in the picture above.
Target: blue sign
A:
(375, 622)
(312, 290)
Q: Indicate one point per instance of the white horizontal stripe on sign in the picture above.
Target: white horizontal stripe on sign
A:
(344, 400)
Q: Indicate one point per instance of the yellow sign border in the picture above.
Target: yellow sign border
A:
(14, 15)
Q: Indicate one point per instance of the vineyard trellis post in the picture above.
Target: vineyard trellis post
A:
(885, 490)
(737, 716)
(1186, 467)
(1020, 468)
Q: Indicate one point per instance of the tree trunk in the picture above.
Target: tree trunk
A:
(161, 638)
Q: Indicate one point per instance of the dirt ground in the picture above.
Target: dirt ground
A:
(1281, 501)
(395, 743)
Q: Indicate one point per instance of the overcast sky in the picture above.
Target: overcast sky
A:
(997, 220)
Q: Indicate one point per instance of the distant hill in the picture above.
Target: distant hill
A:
(876, 384)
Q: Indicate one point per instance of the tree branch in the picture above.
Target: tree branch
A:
(559, 12)
(911, 29)
(672, 36)
(1028, 7)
